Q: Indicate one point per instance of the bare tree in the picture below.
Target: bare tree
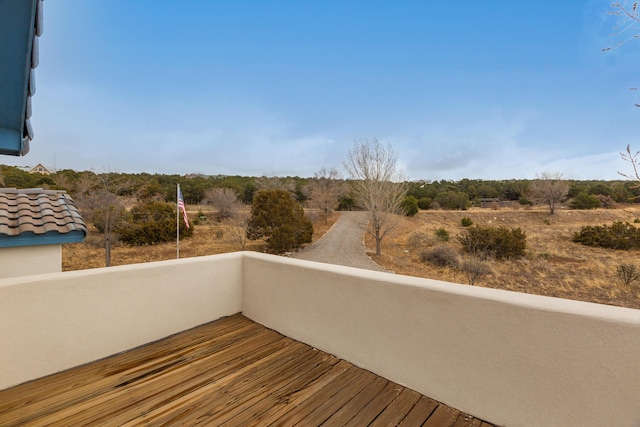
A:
(325, 191)
(275, 183)
(377, 185)
(627, 27)
(632, 158)
(549, 188)
(225, 200)
(97, 196)
(240, 225)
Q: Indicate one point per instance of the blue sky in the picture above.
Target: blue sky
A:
(488, 90)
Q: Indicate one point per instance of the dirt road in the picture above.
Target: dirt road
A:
(342, 244)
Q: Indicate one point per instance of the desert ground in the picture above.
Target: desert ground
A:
(553, 264)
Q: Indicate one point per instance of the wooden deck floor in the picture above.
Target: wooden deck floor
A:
(231, 372)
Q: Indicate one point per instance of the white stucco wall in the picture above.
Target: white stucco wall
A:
(26, 260)
(53, 322)
(509, 358)
(512, 359)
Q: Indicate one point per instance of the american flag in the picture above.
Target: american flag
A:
(182, 208)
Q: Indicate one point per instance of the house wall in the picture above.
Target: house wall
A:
(512, 359)
(28, 260)
(52, 322)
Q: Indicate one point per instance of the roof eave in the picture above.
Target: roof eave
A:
(50, 238)
(20, 25)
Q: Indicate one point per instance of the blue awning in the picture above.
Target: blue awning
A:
(20, 27)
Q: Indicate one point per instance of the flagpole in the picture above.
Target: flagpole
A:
(178, 222)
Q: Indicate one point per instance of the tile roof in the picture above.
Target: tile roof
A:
(36, 216)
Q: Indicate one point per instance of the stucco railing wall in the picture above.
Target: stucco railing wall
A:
(52, 322)
(512, 359)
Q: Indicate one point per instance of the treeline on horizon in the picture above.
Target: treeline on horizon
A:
(444, 194)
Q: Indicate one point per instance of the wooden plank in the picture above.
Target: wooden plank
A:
(398, 409)
(159, 391)
(73, 395)
(355, 405)
(85, 374)
(206, 401)
(258, 402)
(285, 402)
(236, 399)
(376, 406)
(420, 412)
(443, 416)
(294, 415)
(187, 375)
(337, 400)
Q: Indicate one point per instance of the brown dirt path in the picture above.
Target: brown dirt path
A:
(342, 244)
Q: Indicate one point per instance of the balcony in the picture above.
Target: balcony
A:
(503, 357)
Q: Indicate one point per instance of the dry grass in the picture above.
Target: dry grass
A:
(209, 238)
(553, 266)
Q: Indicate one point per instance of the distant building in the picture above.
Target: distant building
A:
(39, 168)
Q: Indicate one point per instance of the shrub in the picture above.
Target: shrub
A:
(424, 203)
(466, 221)
(584, 201)
(619, 235)
(627, 274)
(441, 256)
(150, 223)
(500, 242)
(636, 221)
(410, 206)
(346, 203)
(475, 266)
(280, 220)
(453, 200)
(606, 202)
(442, 234)
(525, 202)
(417, 239)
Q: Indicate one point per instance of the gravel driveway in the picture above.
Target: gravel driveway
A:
(342, 244)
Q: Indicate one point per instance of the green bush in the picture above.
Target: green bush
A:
(150, 223)
(584, 201)
(453, 200)
(619, 235)
(441, 256)
(466, 221)
(280, 220)
(442, 234)
(499, 242)
(410, 206)
(525, 202)
(424, 203)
